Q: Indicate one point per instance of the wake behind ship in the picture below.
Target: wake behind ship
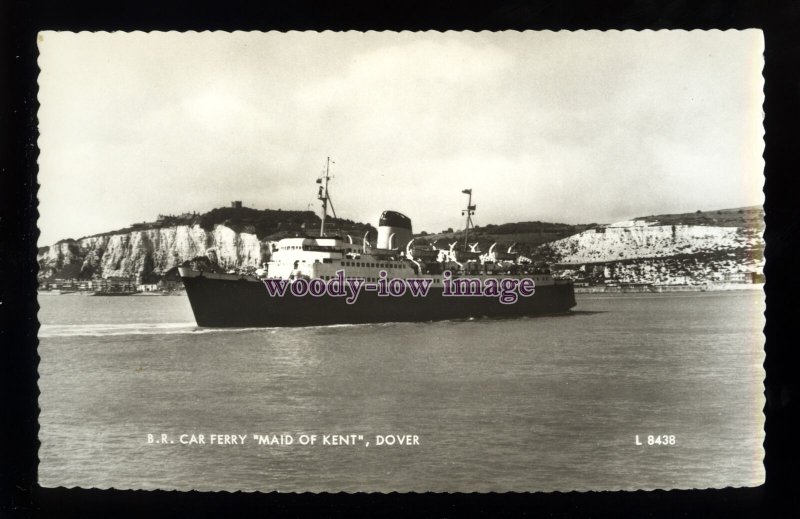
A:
(220, 299)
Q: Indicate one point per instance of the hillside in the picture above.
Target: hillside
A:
(527, 235)
(691, 248)
(713, 241)
(616, 242)
(147, 250)
(745, 217)
(265, 224)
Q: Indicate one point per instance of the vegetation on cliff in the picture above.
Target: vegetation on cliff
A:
(744, 217)
(527, 235)
(266, 224)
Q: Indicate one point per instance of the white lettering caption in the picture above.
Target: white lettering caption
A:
(286, 440)
(659, 439)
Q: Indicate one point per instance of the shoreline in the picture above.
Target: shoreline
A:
(660, 289)
(88, 293)
(620, 290)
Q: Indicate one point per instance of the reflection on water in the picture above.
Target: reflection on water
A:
(551, 403)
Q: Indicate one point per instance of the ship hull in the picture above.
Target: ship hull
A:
(241, 303)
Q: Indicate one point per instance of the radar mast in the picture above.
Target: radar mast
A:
(325, 196)
(469, 211)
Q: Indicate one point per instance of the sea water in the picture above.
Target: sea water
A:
(533, 404)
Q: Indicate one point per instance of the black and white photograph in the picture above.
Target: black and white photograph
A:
(513, 261)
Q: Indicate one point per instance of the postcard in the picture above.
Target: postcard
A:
(401, 261)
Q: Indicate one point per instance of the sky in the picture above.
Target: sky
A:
(575, 127)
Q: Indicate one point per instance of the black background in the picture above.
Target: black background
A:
(19, 494)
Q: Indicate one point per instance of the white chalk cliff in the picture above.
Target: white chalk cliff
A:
(633, 240)
(150, 251)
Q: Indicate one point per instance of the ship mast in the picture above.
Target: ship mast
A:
(469, 211)
(325, 197)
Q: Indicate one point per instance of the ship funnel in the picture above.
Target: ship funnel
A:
(394, 231)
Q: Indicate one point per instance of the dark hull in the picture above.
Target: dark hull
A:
(241, 303)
